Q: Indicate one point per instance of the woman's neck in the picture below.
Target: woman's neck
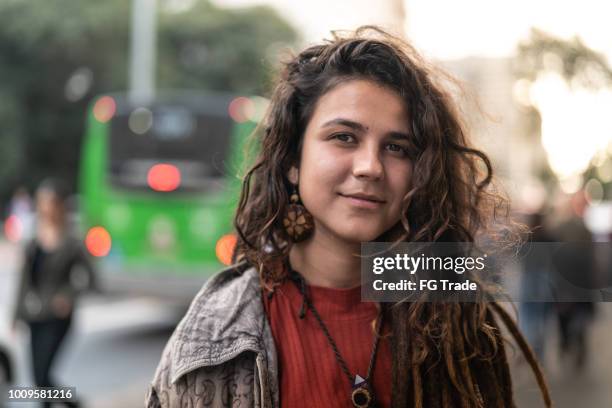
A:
(49, 234)
(326, 261)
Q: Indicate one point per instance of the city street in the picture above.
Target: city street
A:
(115, 345)
(112, 350)
(569, 387)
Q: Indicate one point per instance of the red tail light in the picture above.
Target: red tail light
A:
(164, 177)
(98, 241)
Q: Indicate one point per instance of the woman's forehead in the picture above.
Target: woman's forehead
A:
(46, 194)
(361, 102)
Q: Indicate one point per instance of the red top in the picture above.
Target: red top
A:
(309, 373)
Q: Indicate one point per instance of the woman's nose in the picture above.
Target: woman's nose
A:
(367, 163)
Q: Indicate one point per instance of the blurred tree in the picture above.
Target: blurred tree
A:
(55, 55)
(223, 50)
(573, 60)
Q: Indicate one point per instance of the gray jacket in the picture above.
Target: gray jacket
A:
(222, 353)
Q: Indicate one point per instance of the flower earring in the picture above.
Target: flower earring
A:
(298, 221)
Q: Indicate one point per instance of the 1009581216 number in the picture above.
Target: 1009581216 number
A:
(40, 394)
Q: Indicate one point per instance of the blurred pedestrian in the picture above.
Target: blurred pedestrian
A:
(55, 270)
(575, 264)
(536, 289)
(21, 202)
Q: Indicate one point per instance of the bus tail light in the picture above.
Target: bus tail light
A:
(164, 177)
(225, 248)
(98, 241)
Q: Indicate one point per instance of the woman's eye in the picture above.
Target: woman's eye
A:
(344, 137)
(397, 148)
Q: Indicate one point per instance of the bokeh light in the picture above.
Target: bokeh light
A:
(225, 248)
(241, 109)
(13, 229)
(260, 106)
(594, 191)
(98, 241)
(574, 123)
(164, 177)
(140, 120)
(604, 172)
(104, 109)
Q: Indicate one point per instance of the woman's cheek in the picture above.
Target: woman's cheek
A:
(327, 160)
(323, 174)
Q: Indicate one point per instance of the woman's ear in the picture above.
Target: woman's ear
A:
(292, 175)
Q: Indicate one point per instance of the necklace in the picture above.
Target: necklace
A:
(362, 394)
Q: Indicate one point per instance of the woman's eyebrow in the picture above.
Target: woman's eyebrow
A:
(398, 135)
(345, 122)
(394, 134)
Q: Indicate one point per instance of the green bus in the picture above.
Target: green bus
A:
(158, 186)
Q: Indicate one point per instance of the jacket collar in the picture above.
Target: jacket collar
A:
(225, 319)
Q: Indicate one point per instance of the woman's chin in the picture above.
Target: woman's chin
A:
(358, 237)
(349, 232)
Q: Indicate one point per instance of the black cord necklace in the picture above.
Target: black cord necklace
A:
(362, 394)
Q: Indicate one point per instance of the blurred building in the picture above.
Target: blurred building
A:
(499, 125)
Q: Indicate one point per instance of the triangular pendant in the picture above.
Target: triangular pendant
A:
(361, 396)
(358, 380)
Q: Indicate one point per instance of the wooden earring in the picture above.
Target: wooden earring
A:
(298, 221)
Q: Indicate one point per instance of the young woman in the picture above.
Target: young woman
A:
(360, 143)
(55, 271)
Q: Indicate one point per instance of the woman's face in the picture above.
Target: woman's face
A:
(48, 206)
(354, 169)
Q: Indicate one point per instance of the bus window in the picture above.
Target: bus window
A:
(196, 144)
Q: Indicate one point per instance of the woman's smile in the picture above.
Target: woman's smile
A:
(363, 201)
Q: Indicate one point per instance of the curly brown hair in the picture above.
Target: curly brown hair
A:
(445, 354)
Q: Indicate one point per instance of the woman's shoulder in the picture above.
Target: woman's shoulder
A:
(223, 321)
(227, 304)
(231, 281)
(232, 293)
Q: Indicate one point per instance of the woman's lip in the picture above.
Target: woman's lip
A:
(362, 202)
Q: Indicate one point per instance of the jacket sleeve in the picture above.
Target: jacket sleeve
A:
(24, 283)
(82, 275)
(79, 276)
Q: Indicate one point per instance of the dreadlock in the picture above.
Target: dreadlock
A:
(464, 365)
